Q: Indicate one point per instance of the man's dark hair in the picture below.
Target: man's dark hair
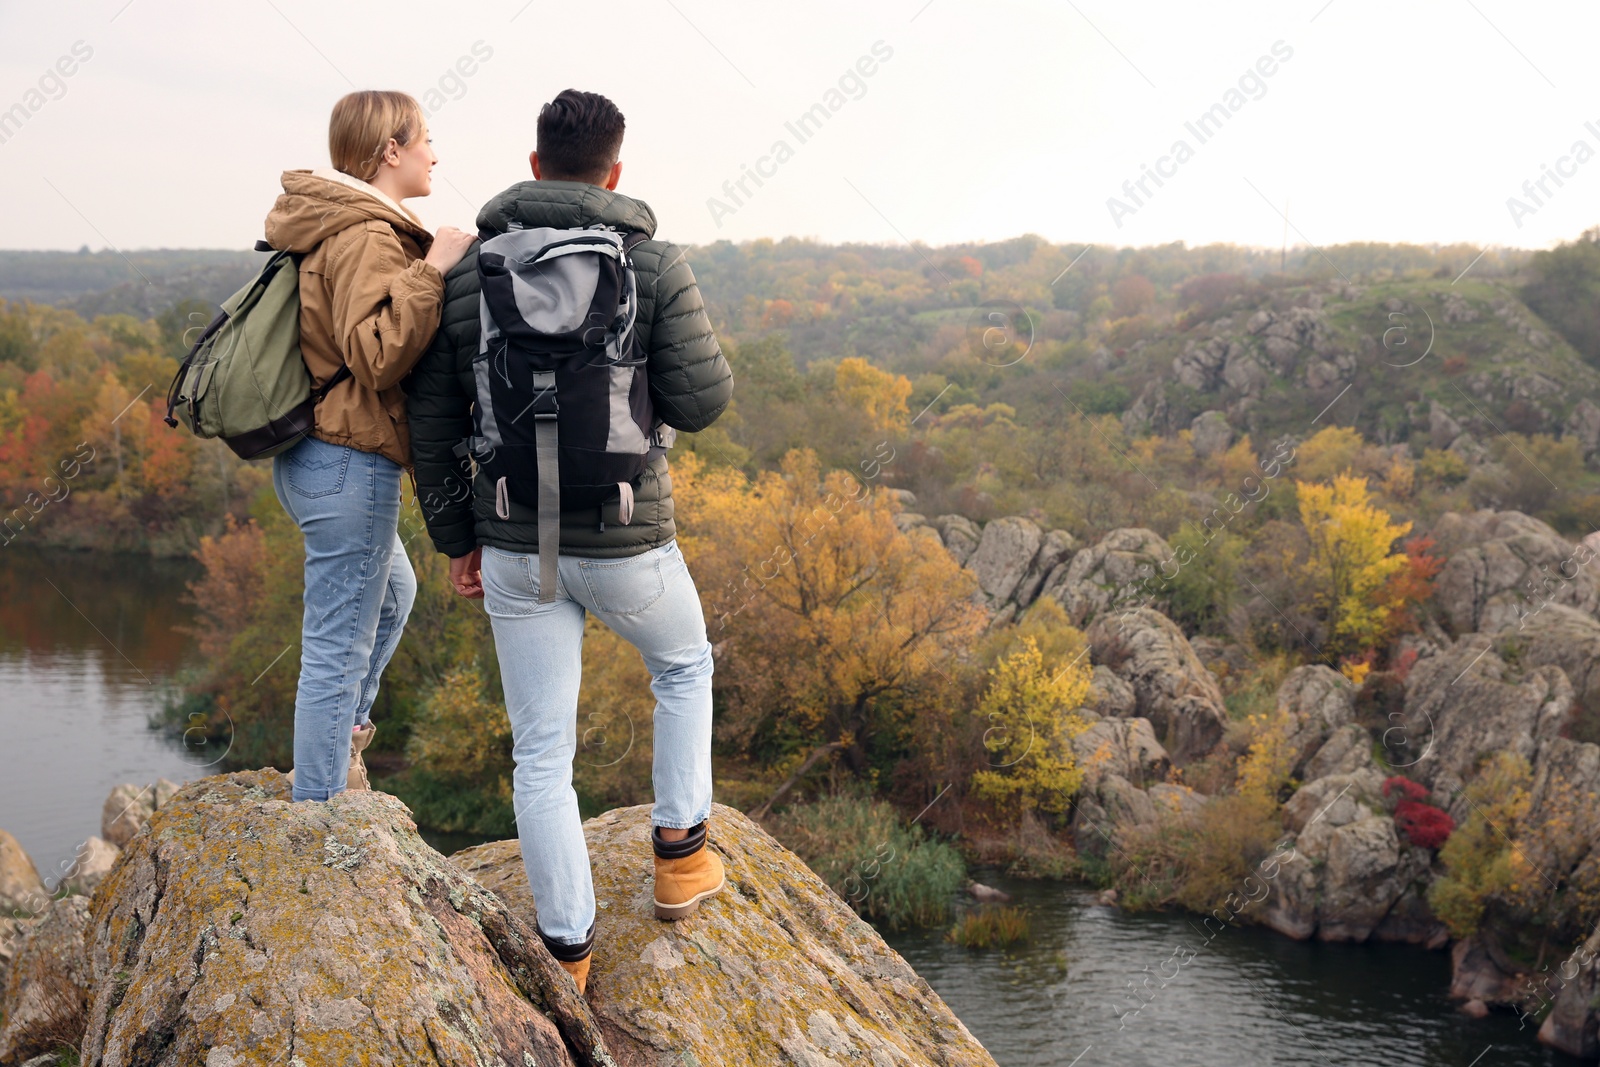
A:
(580, 135)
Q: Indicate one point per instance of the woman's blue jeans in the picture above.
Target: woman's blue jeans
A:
(650, 601)
(359, 591)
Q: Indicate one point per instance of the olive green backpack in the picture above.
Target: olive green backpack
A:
(244, 381)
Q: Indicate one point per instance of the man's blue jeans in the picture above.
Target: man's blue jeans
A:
(650, 601)
(359, 591)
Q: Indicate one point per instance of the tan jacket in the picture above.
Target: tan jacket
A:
(366, 299)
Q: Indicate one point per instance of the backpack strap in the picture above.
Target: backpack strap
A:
(547, 455)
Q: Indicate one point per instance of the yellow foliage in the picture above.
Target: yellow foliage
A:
(1351, 542)
(1266, 766)
(462, 732)
(1356, 671)
(1030, 707)
(1328, 452)
(878, 396)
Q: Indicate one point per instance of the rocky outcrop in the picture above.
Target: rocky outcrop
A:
(1562, 637)
(1172, 688)
(90, 864)
(1573, 1025)
(1109, 695)
(1058, 547)
(1503, 565)
(1003, 556)
(241, 928)
(1318, 700)
(1108, 573)
(960, 535)
(1210, 433)
(1347, 750)
(46, 993)
(1124, 747)
(22, 891)
(775, 970)
(1465, 702)
(127, 807)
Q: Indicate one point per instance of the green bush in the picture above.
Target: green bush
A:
(888, 872)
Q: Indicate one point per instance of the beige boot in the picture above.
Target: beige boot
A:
(687, 872)
(579, 969)
(359, 740)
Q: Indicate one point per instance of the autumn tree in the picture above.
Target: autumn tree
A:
(876, 396)
(833, 626)
(1351, 559)
(1030, 710)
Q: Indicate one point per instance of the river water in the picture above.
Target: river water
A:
(89, 653)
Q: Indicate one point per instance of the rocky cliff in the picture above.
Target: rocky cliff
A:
(238, 928)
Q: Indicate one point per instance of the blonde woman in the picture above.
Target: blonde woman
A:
(371, 285)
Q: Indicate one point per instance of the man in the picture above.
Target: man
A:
(619, 560)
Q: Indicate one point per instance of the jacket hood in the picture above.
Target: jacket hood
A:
(566, 205)
(316, 204)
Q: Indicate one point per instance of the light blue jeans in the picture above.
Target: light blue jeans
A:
(650, 601)
(359, 591)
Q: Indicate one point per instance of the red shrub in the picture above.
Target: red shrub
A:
(1423, 825)
(1412, 792)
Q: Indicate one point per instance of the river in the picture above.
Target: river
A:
(89, 652)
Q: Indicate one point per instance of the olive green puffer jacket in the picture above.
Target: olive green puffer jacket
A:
(690, 384)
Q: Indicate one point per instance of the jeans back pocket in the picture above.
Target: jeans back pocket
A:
(316, 468)
(624, 586)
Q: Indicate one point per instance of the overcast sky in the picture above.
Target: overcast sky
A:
(1411, 121)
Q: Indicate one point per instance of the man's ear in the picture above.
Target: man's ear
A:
(533, 161)
(616, 175)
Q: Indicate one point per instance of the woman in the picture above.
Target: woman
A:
(371, 286)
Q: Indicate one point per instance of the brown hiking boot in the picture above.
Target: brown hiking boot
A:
(574, 959)
(359, 740)
(686, 873)
(579, 969)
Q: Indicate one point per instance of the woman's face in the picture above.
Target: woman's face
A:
(410, 167)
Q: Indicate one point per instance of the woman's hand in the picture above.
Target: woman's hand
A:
(449, 245)
(466, 573)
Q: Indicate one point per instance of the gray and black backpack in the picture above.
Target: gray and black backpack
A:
(563, 419)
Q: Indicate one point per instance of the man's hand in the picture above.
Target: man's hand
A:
(466, 574)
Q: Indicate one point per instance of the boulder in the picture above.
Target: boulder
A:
(1479, 973)
(1172, 688)
(22, 891)
(1177, 799)
(1058, 547)
(1346, 751)
(1109, 695)
(1124, 747)
(1562, 637)
(1210, 432)
(775, 970)
(1503, 565)
(242, 928)
(1318, 700)
(1573, 1025)
(126, 808)
(11, 931)
(90, 866)
(1101, 810)
(960, 534)
(45, 997)
(1003, 556)
(1110, 573)
(1465, 702)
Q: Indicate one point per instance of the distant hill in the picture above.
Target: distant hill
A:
(143, 284)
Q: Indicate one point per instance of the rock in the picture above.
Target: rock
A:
(1443, 428)
(1124, 747)
(90, 866)
(1360, 881)
(1338, 800)
(1171, 686)
(46, 993)
(960, 535)
(1003, 555)
(1318, 700)
(1108, 573)
(1343, 873)
(986, 894)
(1465, 702)
(1475, 1009)
(1562, 637)
(1347, 751)
(775, 970)
(1177, 799)
(1222, 659)
(242, 928)
(11, 931)
(1502, 565)
(1474, 975)
(1107, 897)
(906, 521)
(1573, 1025)
(1100, 810)
(1109, 695)
(21, 890)
(1584, 424)
(1058, 547)
(125, 811)
(1210, 433)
